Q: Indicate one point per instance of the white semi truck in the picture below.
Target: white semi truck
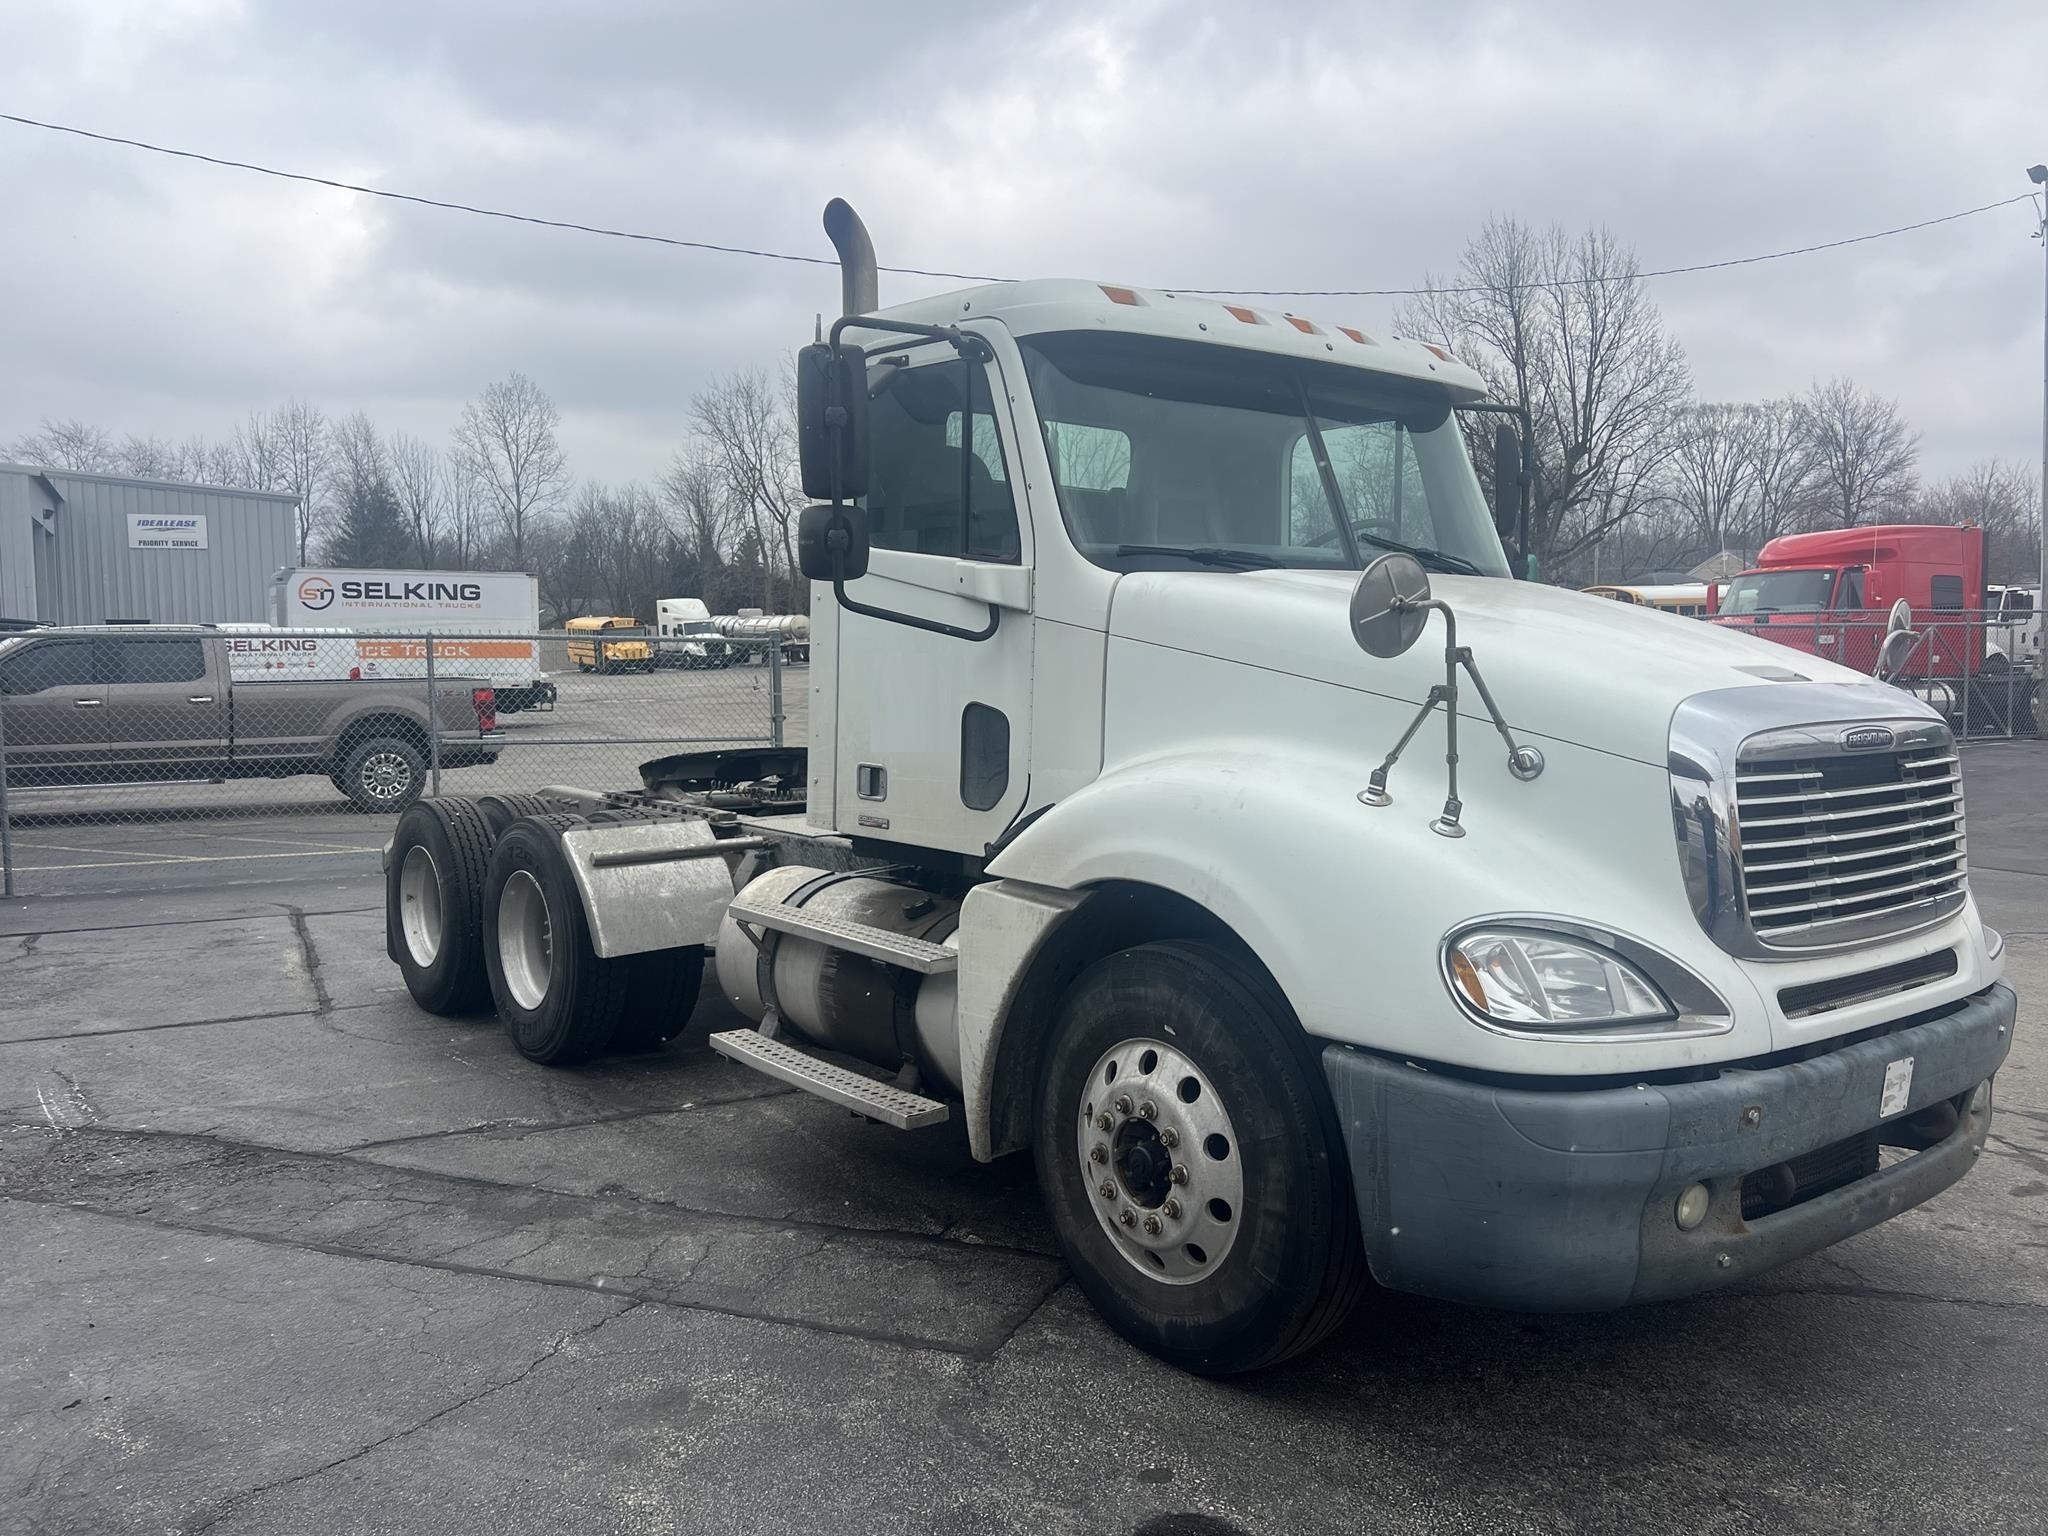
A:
(1135, 832)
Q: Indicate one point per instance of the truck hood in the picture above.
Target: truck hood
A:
(1561, 664)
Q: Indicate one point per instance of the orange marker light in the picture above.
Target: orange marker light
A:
(1307, 328)
(1119, 295)
(1248, 316)
(1358, 336)
(1439, 351)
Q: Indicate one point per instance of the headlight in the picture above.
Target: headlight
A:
(1544, 981)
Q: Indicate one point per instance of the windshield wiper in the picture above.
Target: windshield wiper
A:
(1435, 558)
(1231, 559)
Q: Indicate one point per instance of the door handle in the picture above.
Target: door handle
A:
(199, 698)
(87, 703)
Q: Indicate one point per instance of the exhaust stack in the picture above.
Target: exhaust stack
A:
(859, 284)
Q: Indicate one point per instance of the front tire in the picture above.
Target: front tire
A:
(382, 775)
(1228, 1239)
(560, 1000)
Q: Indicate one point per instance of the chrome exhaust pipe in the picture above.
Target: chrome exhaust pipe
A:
(859, 284)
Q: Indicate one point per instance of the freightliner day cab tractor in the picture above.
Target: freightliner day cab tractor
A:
(1135, 832)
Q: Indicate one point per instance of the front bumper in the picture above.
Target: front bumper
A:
(1564, 1200)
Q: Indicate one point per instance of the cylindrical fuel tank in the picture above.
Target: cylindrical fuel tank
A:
(846, 1002)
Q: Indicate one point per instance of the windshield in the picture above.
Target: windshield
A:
(1172, 452)
(1779, 592)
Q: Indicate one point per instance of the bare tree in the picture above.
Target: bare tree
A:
(466, 539)
(1563, 324)
(750, 436)
(2005, 501)
(1863, 452)
(419, 481)
(297, 434)
(696, 496)
(506, 442)
(1781, 471)
(65, 444)
(1713, 472)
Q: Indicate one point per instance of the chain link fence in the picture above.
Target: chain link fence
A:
(1982, 669)
(123, 750)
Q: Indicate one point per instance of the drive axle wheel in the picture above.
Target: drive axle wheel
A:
(560, 1000)
(1191, 1161)
(433, 903)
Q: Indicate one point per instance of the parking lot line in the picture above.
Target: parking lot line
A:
(183, 858)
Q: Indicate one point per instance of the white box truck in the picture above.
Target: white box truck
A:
(1129, 835)
(485, 623)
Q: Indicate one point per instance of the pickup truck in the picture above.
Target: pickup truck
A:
(128, 704)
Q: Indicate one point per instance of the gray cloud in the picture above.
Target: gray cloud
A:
(1322, 146)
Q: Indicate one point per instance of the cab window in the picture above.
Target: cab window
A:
(934, 489)
(47, 664)
(1849, 596)
(158, 661)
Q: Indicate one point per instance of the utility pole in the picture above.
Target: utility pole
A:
(2038, 174)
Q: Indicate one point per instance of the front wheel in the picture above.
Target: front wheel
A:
(1191, 1162)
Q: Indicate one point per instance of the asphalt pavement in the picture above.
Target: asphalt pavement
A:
(280, 1253)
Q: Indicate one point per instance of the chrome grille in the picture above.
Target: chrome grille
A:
(1837, 847)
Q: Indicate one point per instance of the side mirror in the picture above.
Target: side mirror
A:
(1507, 479)
(1387, 612)
(832, 542)
(832, 421)
(1900, 622)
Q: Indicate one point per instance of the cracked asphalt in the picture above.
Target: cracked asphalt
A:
(279, 1253)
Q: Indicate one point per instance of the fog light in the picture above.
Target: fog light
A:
(1693, 1201)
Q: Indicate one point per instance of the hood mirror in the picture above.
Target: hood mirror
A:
(1390, 605)
(1898, 643)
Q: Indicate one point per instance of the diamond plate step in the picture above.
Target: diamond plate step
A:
(863, 1095)
(919, 955)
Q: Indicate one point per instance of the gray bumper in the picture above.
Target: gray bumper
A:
(1563, 1200)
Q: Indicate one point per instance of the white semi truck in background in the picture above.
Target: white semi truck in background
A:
(1135, 832)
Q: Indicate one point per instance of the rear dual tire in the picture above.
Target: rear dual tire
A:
(561, 1001)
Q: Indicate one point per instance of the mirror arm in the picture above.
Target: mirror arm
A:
(1524, 763)
(911, 620)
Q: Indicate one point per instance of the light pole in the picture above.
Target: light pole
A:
(2038, 175)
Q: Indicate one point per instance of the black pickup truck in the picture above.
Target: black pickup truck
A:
(129, 704)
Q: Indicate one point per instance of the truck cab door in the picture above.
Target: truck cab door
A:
(55, 707)
(932, 732)
(1848, 634)
(167, 705)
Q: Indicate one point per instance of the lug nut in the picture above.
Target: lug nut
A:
(1103, 1122)
(1106, 1189)
(1171, 1208)
(1128, 1217)
(1152, 1226)
(1098, 1154)
(1123, 1104)
(1148, 1110)
(1179, 1174)
(1168, 1136)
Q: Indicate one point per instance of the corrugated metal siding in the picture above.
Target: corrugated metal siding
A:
(89, 575)
(18, 500)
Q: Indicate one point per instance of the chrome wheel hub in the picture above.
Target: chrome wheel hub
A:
(526, 940)
(1160, 1159)
(420, 917)
(386, 776)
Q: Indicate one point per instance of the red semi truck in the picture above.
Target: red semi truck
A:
(1828, 594)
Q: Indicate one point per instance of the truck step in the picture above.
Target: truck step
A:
(919, 955)
(863, 1095)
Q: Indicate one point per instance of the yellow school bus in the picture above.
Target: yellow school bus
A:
(593, 649)
(1693, 599)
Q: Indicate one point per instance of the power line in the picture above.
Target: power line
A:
(972, 277)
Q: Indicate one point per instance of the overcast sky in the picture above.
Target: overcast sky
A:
(1305, 146)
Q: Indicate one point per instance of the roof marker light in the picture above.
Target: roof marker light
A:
(1120, 295)
(1248, 316)
(1306, 327)
(1439, 351)
(1358, 336)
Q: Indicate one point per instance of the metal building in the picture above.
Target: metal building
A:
(79, 548)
